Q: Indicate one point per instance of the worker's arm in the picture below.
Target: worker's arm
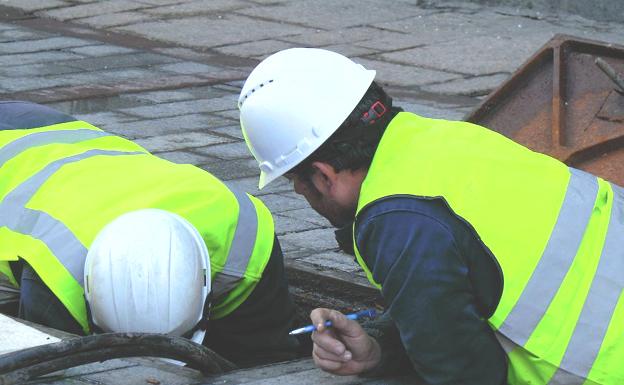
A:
(256, 332)
(440, 285)
(17, 114)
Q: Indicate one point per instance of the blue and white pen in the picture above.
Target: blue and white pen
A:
(370, 313)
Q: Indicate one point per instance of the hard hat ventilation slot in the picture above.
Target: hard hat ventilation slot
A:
(248, 94)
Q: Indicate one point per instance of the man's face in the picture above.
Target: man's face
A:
(323, 203)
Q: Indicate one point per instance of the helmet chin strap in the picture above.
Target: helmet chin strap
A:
(198, 336)
(199, 331)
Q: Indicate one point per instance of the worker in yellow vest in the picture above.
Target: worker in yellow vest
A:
(153, 246)
(497, 264)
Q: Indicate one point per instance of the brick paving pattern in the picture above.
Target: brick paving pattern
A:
(167, 73)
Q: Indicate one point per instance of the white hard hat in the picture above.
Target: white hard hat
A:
(293, 101)
(148, 271)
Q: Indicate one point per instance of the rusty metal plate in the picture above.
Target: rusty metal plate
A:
(562, 104)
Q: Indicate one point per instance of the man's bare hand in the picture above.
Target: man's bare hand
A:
(345, 348)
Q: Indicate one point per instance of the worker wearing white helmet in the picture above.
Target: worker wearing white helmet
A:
(153, 246)
(135, 275)
(498, 264)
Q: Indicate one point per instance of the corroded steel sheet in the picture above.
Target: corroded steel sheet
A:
(562, 104)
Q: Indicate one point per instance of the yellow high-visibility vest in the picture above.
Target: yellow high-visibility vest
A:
(556, 232)
(61, 184)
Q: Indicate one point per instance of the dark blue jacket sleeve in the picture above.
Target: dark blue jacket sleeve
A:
(17, 114)
(424, 257)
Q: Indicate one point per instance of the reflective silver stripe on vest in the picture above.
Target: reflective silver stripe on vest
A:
(57, 237)
(36, 139)
(241, 249)
(507, 344)
(557, 258)
(604, 292)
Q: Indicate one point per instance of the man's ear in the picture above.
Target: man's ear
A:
(325, 177)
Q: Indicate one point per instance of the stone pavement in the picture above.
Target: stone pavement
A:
(167, 73)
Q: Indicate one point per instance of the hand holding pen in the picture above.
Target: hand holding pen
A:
(345, 348)
(369, 313)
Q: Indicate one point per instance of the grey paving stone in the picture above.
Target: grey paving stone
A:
(33, 5)
(95, 105)
(7, 27)
(493, 22)
(250, 185)
(260, 48)
(491, 54)
(331, 14)
(233, 131)
(231, 89)
(397, 41)
(333, 261)
(160, 2)
(316, 239)
(350, 50)
(285, 225)
(121, 74)
(97, 8)
(309, 214)
(36, 70)
(190, 68)
(101, 50)
(17, 84)
(47, 44)
(164, 96)
(120, 61)
(404, 75)
(184, 157)
(181, 94)
(320, 38)
(437, 27)
(9, 35)
(278, 203)
(78, 78)
(232, 169)
(182, 107)
(437, 111)
(237, 83)
(179, 141)
(184, 53)
(197, 7)
(224, 103)
(294, 253)
(591, 26)
(212, 91)
(233, 115)
(477, 86)
(114, 19)
(72, 79)
(205, 31)
(166, 126)
(229, 151)
(104, 119)
(293, 194)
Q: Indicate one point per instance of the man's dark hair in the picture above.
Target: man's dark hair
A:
(353, 144)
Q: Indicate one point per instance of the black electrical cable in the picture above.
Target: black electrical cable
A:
(26, 364)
